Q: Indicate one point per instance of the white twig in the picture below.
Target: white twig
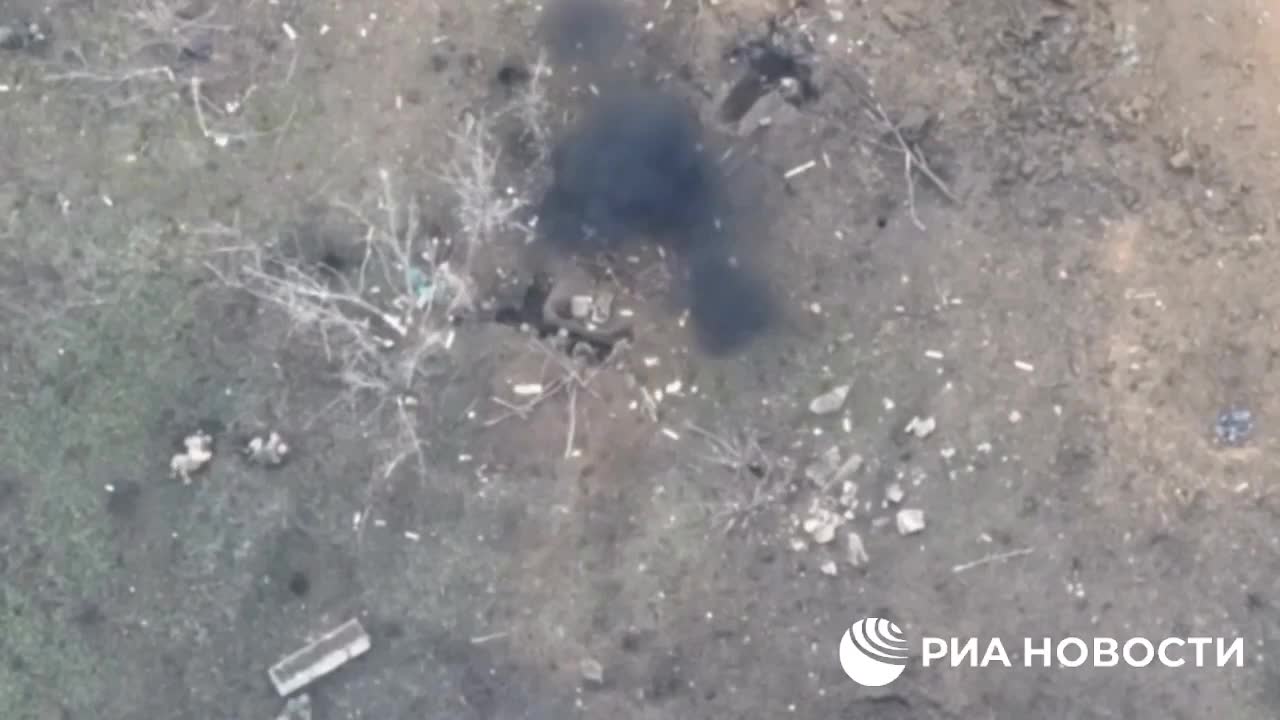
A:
(989, 559)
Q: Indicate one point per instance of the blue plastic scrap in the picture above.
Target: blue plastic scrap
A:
(1234, 426)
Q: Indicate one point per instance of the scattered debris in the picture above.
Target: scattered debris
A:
(824, 468)
(199, 451)
(830, 401)
(270, 450)
(319, 658)
(894, 493)
(857, 551)
(828, 568)
(1234, 426)
(921, 427)
(910, 521)
(592, 671)
(298, 708)
(1024, 366)
(1015, 417)
(822, 524)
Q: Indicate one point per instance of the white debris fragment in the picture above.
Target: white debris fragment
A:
(651, 362)
(822, 525)
(921, 427)
(1015, 417)
(828, 568)
(411, 535)
(933, 354)
(298, 708)
(331, 651)
(888, 404)
(857, 551)
(1024, 366)
(580, 306)
(849, 495)
(894, 493)
(830, 401)
(674, 387)
(289, 31)
(671, 433)
(592, 671)
(910, 521)
(270, 450)
(527, 389)
(199, 452)
(848, 469)
(798, 545)
(797, 170)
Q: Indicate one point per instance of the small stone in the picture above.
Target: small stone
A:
(828, 568)
(822, 525)
(580, 306)
(910, 521)
(829, 402)
(298, 708)
(592, 671)
(1181, 160)
(857, 552)
(921, 427)
(894, 493)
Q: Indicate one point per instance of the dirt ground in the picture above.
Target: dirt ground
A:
(1073, 317)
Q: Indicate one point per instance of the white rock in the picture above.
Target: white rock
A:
(822, 525)
(910, 521)
(828, 568)
(829, 402)
(857, 551)
(849, 494)
(894, 493)
(921, 427)
(592, 671)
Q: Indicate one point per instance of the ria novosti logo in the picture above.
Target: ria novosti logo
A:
(874, 652)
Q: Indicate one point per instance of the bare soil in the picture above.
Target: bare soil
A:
(1096, 290)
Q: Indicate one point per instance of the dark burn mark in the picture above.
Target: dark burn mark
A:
(770, 66)
(582, 31)
(512, 75)
(299, 585)
(636, 171)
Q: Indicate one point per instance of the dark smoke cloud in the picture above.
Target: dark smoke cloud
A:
(582, 31)
(636, 171)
